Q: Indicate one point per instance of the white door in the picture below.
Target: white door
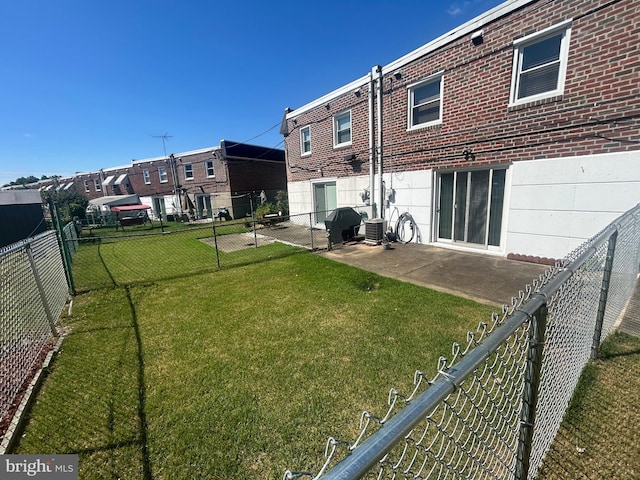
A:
(324, 200)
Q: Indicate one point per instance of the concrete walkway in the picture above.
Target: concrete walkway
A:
(477, 276)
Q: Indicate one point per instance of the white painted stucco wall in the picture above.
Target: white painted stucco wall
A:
(554, 205)
(412, 193)
(551, 205)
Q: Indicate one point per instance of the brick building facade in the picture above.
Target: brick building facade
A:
(197, 183)
(517, 132)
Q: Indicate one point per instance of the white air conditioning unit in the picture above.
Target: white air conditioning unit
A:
(374, 230)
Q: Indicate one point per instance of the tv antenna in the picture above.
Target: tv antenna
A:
(164, 138)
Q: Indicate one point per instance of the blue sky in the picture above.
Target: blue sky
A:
(91, 84)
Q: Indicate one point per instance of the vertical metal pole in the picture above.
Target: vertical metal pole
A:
(215, 242)
(43, 296)
(311, 229)
(253, 222)
(372, 143)
(531, 390)
(604, 292)
(66, 256)
(379, 91)
(255, 234)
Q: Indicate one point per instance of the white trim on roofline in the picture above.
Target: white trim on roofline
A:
(147, 160)
(151, 159)
(113, 169)
(195, 152)
(469, 27)
(177, 155)
(330, 96)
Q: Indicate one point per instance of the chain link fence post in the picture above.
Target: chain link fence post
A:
(254, 222)
(311, 230)
(66, 256)
(215, 242)
(41, 291)
(531, 390)
(604, 292)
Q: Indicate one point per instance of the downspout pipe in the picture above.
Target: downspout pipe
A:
(378, 71)
(102, 187)
(176, 192)
(372, 146)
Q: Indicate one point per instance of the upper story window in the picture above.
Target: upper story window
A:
(425, 102)
(86, 186)
(162, 174)
(146, 177)
(210, 171)
(188, 171)
(342, 129)
(540, 64)
(305, 140)
(96, 184)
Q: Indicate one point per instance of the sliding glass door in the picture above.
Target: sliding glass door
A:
(470, 206)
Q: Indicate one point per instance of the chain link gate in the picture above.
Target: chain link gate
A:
(495, 405)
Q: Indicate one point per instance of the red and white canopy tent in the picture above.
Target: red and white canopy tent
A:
(133, 215)
(129, 208)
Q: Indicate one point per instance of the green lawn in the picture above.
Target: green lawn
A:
(125, 260)
(236, 373)
(599, 436)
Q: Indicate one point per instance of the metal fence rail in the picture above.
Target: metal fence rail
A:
(112, 256)
(117, 254)
(33, 292)
(496, 403)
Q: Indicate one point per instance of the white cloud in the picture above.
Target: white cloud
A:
(458, 8)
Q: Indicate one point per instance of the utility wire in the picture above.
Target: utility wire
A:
(260, 134)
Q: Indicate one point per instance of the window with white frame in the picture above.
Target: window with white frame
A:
(96, 184)
(305, 140)
(146, 177)
(540, 64)
(210, 171)
(425, 102)
(188, 171)
(342, 129)
(162, 174)
(86, 186)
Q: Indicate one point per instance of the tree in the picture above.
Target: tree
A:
(71, 204)
(22, 181)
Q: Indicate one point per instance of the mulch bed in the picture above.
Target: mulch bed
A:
(14, 379)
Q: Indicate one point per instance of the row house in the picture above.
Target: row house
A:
(516, 133)
(196, 183)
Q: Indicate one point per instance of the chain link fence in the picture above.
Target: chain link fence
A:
(33, 292)
(491, 411)
(497, 401)
(108, 256)
(37, 274)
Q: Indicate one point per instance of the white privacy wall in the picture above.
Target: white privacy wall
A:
(413, 194)
(551, 205)
(555, 205)
(300, 197)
